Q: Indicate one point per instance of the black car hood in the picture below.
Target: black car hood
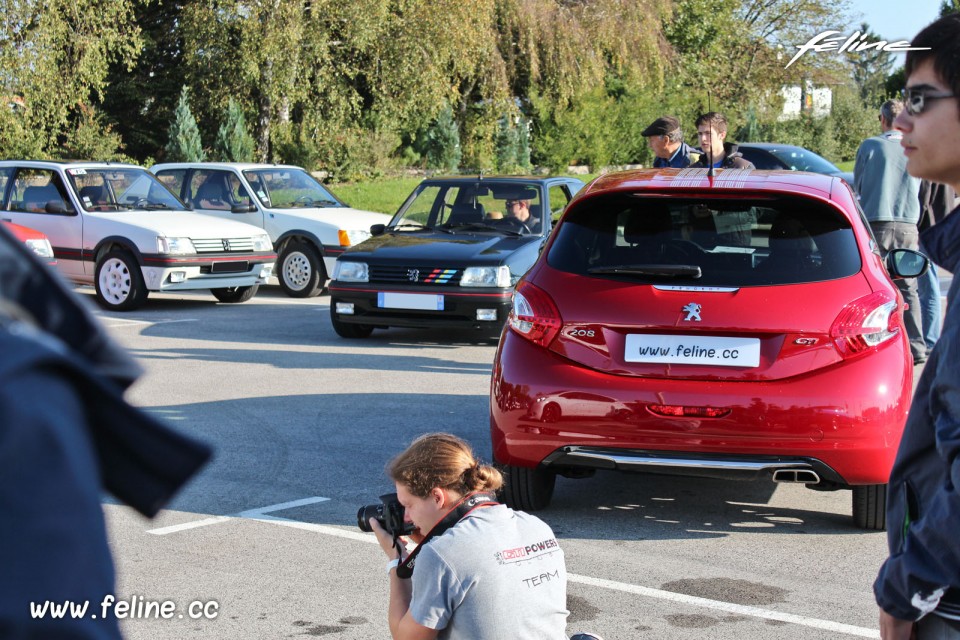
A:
(428, 247)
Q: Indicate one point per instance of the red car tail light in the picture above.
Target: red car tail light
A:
(680, 411)
(865, 323)
(534, 315)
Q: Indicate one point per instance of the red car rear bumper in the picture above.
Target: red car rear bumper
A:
(847, 417)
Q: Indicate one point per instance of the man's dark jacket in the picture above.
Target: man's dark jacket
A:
(732, 159)
(66, 434)
(683, 158)
(922, 573)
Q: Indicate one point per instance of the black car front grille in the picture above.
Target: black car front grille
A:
(437, 276)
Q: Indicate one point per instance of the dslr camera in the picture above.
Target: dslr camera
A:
(389, 513)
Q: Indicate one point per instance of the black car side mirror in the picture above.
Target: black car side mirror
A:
(244, 208)
(57, 206)
(378, 229)
(906, 263)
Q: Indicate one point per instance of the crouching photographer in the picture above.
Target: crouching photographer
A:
(483, 570)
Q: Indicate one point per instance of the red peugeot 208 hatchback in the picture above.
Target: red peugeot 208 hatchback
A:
(737, 325)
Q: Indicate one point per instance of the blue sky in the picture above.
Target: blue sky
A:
(894, 19)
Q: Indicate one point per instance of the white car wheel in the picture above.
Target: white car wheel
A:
(119, 282)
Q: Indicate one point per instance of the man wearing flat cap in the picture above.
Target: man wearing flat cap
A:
(666, 140)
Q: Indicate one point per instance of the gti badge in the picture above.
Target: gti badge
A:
(693, 312)
(413, 275)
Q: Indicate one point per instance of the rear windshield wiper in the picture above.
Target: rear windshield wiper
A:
(663, 270)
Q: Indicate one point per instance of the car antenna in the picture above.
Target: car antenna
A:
(710, 172)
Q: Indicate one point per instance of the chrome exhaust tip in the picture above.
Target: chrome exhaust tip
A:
(796, 476)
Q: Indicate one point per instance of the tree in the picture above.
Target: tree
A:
(507, 145)
(442, 143)
(183, 144)
(233, 143)
(870, 70)
(54, 59)
(140, 99)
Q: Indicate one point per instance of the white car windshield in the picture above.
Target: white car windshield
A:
(286, 188)
(121, 189)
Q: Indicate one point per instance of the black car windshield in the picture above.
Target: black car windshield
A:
(706, 242)
(800, 159)
(121, 189)
(289, 188)
(476, 206)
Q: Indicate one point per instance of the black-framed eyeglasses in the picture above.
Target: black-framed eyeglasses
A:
(510, 203)
(914, 100)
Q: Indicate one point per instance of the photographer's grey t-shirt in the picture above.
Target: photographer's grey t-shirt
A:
(498, 573)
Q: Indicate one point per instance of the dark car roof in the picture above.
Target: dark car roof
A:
(769, 145)
(504, 179)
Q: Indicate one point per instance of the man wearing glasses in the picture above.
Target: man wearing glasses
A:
(890, 198)
(918, 588)
(519, 210)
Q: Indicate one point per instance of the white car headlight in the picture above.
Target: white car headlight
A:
(262, 243)
(175, 246)
(348, 238)
(347, 271)
(486, 277)
(41, 247)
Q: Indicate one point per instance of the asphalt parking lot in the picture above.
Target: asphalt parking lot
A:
(303, 423)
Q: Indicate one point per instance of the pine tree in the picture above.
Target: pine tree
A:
(506, 143)
(442, 142)
(234, 143)
(523, 144)
(184, 143)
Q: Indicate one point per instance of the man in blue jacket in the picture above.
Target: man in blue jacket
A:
(666, 139)
(918, 588)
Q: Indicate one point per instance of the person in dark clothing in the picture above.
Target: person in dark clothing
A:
(918, 586)
(666, 139)
(712, 131)
(66, 433)
(936, 201)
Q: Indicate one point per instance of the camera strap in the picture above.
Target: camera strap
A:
(465, 506)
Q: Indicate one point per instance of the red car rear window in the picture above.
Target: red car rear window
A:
(706, 242)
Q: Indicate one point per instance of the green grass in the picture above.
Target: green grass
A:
(845, 166)
(384, 195)
(387, 194)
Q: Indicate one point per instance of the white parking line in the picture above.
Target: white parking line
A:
(116, 323)
(251, 514)
(261, 515)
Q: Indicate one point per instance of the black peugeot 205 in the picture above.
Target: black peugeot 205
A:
(450, 257)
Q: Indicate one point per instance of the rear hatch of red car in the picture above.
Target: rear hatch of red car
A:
(706, 288)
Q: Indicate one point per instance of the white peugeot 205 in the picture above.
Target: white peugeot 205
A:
(310, 227)
(116, 227)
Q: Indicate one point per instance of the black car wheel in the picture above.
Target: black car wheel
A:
(869, 506)
(347, 330)
(300, 270)
(235, 294)
(528, 489)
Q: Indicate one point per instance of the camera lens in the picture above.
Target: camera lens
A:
(367, 512)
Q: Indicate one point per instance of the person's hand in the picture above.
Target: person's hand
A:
(384, 538)
(896, 629)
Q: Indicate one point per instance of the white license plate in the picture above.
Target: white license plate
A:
(418, 301)
(708, 350)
